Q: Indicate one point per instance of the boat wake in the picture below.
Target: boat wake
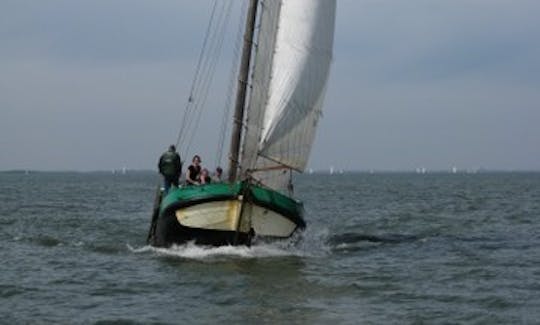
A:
(198, 252)
(307, 244)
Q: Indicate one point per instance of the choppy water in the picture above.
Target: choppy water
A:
(381, 248)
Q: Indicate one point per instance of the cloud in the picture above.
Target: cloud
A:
(90, 32)
(101, 84)
(425, 41)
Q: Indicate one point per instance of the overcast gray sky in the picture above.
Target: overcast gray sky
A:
(100, 84)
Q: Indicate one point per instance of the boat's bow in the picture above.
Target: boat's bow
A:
(221, 213)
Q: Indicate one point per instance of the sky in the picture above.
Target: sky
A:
(101, 84)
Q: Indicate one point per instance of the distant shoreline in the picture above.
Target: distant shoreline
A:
(116, 171)
(315, 172)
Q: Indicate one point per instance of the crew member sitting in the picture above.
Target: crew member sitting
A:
(193, 172)
(205, 176)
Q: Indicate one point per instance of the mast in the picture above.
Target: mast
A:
(243, 76)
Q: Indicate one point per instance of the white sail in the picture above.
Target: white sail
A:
(292, 63)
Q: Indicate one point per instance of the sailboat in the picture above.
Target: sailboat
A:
(282, 80)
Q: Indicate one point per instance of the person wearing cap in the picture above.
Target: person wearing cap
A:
(170, 166)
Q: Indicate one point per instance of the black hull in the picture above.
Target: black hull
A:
(168, 232)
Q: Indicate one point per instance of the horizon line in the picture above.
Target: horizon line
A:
(314, 171)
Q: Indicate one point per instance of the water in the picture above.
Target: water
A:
(381, 248)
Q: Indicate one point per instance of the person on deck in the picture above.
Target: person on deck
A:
(218, 174)
(205, 176)
(193, 172)
(170, 166)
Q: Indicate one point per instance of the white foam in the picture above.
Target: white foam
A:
(192, 251)
(307, 244)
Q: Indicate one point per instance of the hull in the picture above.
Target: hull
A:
(224, 214)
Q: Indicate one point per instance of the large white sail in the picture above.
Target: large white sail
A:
(292, 63)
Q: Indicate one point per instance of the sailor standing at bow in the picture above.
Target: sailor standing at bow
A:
(170, 166)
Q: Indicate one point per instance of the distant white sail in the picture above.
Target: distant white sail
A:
(292, 64)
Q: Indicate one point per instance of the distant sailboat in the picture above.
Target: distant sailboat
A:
(272, 134)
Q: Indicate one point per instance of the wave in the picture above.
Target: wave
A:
(198, 252)
(352, 238)
(308, 244)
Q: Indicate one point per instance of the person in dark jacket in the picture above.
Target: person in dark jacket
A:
(170, 166)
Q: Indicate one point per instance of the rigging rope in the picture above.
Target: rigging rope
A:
(212, 61)
(196, 76)
(225, 123)
(204, 74)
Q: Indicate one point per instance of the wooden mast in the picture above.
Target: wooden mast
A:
(243, 76)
